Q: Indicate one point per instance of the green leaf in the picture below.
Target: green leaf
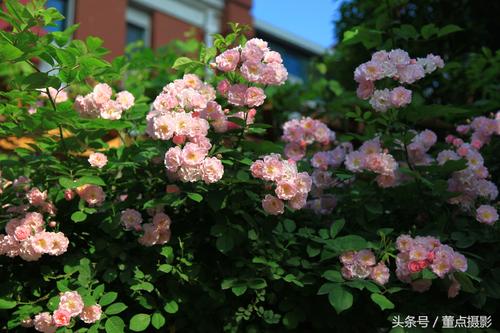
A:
(227, 283)
(336, 87)
(340, 298)
(94, 180)
(257, 283)
(165, 268)
(7, 304)
(238, 291)
(41, 80)
(139, 322)
(333, 276)
(157, 320)
(180, 62)
(242, 175)
(115, 308)
(168, 252)
(428, 274)
(407, 31)
(336, 227)
(78, 216)
(350, 35)
(90, 63)
(448, 29)
(428, 30)
(289, 225)
(225, 243)
(149, 287)
(195, 197)
(114, 325)
(465, 282)
(326, 288)
(382, 301)
(346, 243)
(9, 52)
(66, 182)
(171, 307)
(108, 298)
(93, 43)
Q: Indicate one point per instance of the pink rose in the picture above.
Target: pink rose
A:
(61, 318)
(273, 205)
(228, 60)
(98, 160)
(254, 96)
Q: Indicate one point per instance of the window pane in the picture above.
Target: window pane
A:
(62, 7)
(135, 33)
(295, 62)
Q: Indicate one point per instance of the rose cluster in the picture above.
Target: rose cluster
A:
(255, 62)
(98, 103)
(471, 183)
(70, 306)
(190, 94)
(482, 128)
(191, 164)
(291, 185)
(397, 65)
(322, 178)
(363, 264)
(156, 232)
(178, 126)
(419, 146)
(169, 120)
(419, 253)
(26, 237)
(186, 94)
(323, 160)
(298, 133)
(371, 157)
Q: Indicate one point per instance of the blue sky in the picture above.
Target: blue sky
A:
(310, 19)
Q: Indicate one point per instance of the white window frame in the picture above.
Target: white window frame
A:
(141, 19)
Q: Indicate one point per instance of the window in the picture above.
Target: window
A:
(65, 7)
(295, 62)
(138, 26)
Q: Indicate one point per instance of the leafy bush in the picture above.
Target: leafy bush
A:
(136, 198)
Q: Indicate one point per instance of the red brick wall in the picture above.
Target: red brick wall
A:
(104, 19)
(166, 28)
(238, 11)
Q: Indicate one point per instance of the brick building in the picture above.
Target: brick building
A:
(157, 22)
